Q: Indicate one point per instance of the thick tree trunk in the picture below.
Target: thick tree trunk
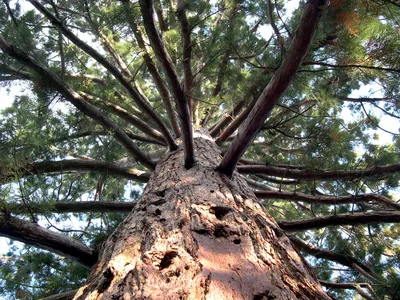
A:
(197, 234)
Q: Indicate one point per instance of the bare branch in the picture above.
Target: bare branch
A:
(274, 28)
(49, 167)
(33, 234)
(341, 219)
(161, 87)
(187, 54)
(127, 116)
(88, 109)
(302, 174)
(327, 200)
(345, 260)
(133, 92)
(350, 286)
(276, 87)
(62, 296)
(350, 66)
(71, 207)
(172, 78)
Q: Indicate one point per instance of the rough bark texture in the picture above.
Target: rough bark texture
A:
(196, 234)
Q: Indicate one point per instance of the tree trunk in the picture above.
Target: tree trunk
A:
(197, 234)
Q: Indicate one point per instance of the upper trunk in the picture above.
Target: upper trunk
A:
(197, 234)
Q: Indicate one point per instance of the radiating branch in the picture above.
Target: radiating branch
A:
(161, 86)
(172, 78)
(350, 286)
(34, 235)
(50, 167)
(301, 174)
(127, 116)
(345, 260)
(133, 92)
(52, 80)
(327, 200)
(187, 56)
(342, 219)
(71, 207)
(62, 296)
(276, 87)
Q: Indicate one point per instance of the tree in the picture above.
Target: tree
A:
(245, 145)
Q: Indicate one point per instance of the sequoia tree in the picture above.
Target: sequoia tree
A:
(200, 150)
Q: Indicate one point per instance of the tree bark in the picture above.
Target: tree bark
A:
(197, 234)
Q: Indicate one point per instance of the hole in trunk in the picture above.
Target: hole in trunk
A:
(167, 259)
(237, 241)
(220, 231)
(220, 211)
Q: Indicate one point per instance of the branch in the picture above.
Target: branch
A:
(327, 200)
(276, 87)
(366, 99)
(274, 28)
(345, 260)
(62, 296)
(341, 219)
(227, 118)
(15, 72)
(135, 94)
(49, 167)
(318, 174)
(71, 207)
(307, 63)
(88, 109)
(127, 116)
(161, 87)
(349, 286)
(32, 234)
(187, 52)
(172, 78)
(89, 133)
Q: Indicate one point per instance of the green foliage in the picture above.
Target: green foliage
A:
(315, 126)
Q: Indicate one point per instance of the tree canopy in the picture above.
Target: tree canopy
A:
(297, 101)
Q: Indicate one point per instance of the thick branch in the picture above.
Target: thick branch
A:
(88, 109)
(127, 116)
(227, 118)
(345, 260)
(349, 66)
(367, 99)
(187, 51)
(173, 80)
(161, 87)
(276, 87)
(136, 96)
(32, 234)
(274, 28)
(62, 296)
(350, 286)
(48, 167)
(342, 219)
(71, 207)
(319, 174)
(325, 200)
